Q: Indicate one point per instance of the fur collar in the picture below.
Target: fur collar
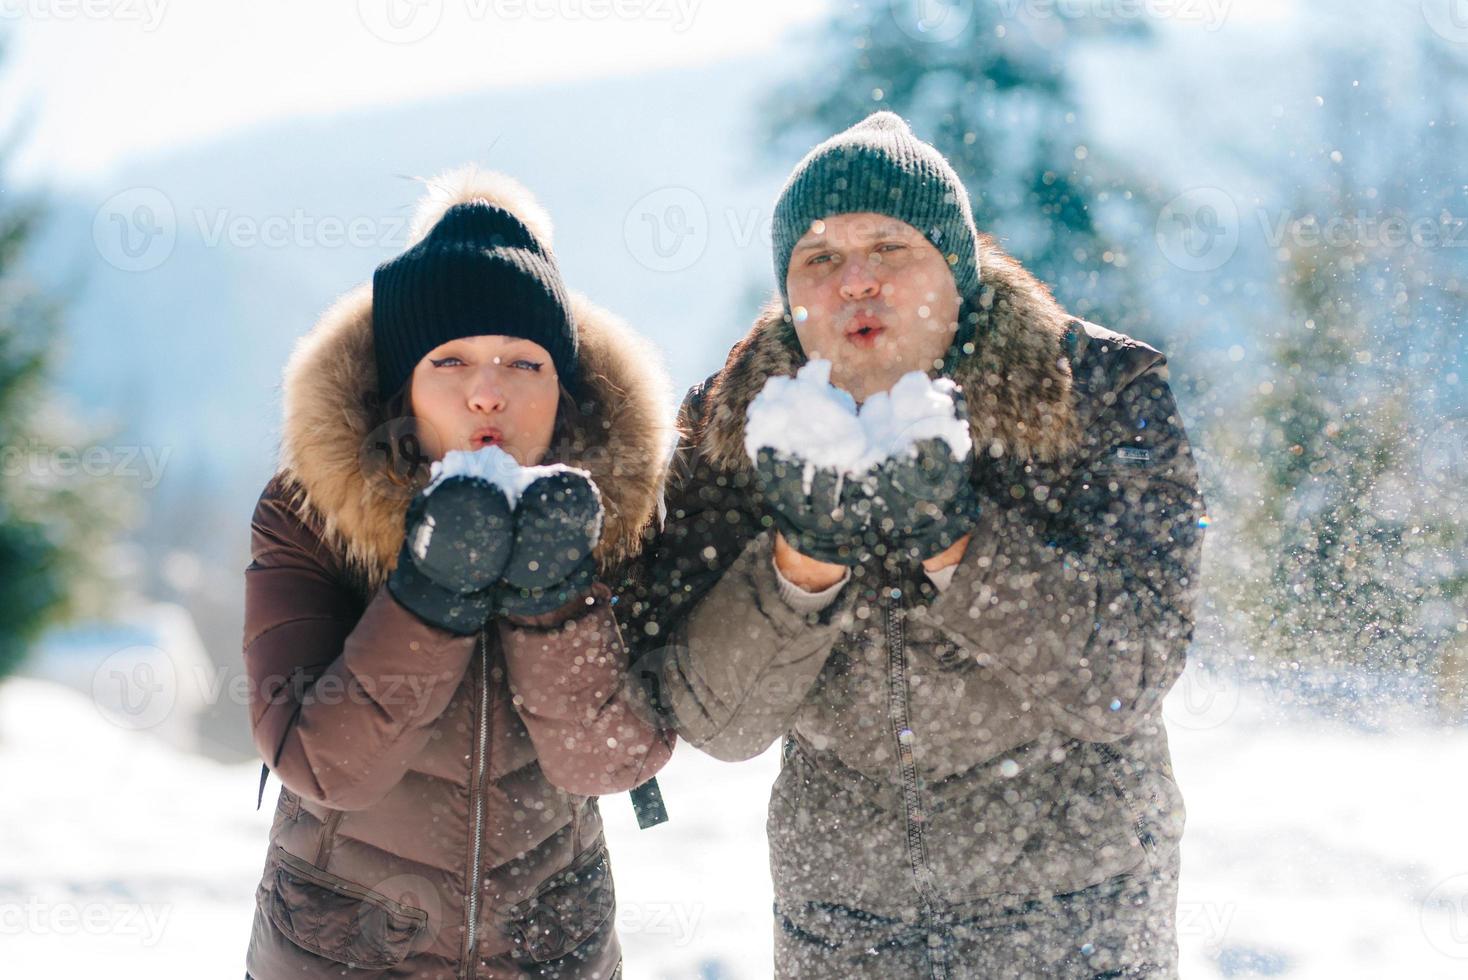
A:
(1017, 380)
(331, 380)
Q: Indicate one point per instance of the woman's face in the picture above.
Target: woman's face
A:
(488, 390)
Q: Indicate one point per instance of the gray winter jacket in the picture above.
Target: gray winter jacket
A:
(976, 780)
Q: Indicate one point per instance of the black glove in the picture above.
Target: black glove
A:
(456, 544)
(925, 501)
(830, 521)
(557, 524)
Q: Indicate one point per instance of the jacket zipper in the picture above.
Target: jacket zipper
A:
(899, 714)
(477, 797)
(900, 711)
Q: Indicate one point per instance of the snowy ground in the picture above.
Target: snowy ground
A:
(1312, 850)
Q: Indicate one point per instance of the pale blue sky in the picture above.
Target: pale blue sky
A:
(111, 79)
(107, 80)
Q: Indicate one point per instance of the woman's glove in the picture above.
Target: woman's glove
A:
(557, 524)
(457, 542)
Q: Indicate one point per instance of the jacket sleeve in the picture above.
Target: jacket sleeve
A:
(1079, 595)
(341, 698)
(589, 722)
(734, 673)
(724, 658)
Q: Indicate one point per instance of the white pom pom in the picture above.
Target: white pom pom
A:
(470, 183)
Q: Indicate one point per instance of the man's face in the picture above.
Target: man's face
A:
(873, 296)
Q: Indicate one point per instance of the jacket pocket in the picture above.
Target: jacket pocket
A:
(338, 919)
(571, 909)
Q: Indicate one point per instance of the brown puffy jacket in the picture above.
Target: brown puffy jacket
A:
(438, 816)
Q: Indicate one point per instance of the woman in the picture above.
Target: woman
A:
(436, 675)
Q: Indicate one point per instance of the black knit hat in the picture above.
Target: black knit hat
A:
(479, 270)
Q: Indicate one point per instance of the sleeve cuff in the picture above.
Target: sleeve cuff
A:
(943, 577)
(805, 602)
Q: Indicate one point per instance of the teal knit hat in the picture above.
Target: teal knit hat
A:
(878, 165)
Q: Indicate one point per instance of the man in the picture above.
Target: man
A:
(967, 673)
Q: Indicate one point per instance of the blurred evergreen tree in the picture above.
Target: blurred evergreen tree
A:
(55, 518)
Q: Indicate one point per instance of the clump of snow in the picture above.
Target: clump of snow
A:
(808, 418)
(493, 465)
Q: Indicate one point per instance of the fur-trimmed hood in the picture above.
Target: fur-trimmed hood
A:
(330, 388)
(1017, 380)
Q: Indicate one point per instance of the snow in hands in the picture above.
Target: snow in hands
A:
(493, 465)
(808, 418)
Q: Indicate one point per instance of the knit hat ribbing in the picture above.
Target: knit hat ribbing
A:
(878, 165)
(478, 270)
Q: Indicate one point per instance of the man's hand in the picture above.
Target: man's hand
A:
(949, 557)
(822, 514)
(925, 499)
(804, 572)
